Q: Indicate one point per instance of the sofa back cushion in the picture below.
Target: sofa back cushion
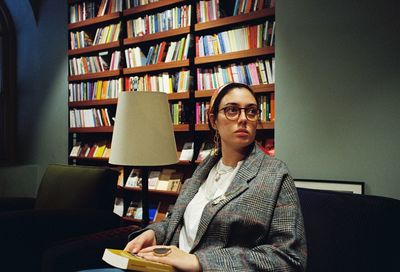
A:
(77, 187)
(348, 232)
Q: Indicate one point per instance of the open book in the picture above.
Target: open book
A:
(125, 260)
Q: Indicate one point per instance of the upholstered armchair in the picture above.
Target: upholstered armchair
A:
(71, 201)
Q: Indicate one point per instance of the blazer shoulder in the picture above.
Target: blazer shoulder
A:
(272, 163)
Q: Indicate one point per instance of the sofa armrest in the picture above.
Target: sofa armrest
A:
(35, 230)
(86, 251)
(8, 204)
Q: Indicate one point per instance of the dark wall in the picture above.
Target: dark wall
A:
(41, 90)
(337, 93)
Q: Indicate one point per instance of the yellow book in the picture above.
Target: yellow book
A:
(99, 90)
(104, 90)
(125, 260)
(99, 151)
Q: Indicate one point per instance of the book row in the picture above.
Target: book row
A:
(164, 180)
(93, 8)
(201, 112)
(207, 10)
(178, 113)
(136, 3)
(94, 64)
(246, 6)
(100, 89)
(243, 38)
(100, 149)
(188, 151)
(267, 107)
(82, 11)
(109, 6)
(253, 73)
(86, 118)
(79, 39)
(164, 82)
(162, 52)
(135, 210)
(174, 18)
(107, 34)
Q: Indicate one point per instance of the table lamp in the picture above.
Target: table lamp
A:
(143, 136)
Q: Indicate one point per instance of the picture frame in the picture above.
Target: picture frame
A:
(353, 187)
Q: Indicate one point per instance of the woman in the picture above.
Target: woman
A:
(239, 211)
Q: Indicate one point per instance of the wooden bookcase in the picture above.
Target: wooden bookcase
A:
(189, 131)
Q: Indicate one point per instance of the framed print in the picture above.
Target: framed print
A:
(354, 187)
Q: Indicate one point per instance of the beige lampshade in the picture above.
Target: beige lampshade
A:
(143, 133)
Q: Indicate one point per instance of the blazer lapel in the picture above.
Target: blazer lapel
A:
(247, 171)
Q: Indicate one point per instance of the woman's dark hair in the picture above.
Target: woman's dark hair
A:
(220, 93)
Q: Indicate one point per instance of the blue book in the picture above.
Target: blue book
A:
(179, 17)
(205, 44)
(149, 55)
(221, 43)
(235, 9)
(248, 76)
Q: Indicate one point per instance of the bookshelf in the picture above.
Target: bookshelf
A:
(97, 91)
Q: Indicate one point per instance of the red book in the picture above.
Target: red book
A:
(160, 56)
(147, 25)
(248, 6)
(260, 4)
(197, 46)
(91, 151)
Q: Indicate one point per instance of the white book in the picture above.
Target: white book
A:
(187, 152)
(225, 39)
(186, 48)
(108, 117)
(170, 52)
(162, 185)
(134, 179)
(273, 70)
(269, 71)
(153, 179)
(262, 72)
(127, 59)
(271, 43)
(98, 111)
(265, 34)
(72, 123)
(119, 206)
(165, 85)
(76, 119)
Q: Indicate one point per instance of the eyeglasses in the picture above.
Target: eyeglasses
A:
(233, 112)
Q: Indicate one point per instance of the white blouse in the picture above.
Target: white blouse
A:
(218, 181)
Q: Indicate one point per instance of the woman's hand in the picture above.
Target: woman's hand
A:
(146, 239)
(177, 258)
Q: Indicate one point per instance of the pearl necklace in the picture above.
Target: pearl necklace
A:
(221, 172)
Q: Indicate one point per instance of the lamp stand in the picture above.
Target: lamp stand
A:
(145, 196)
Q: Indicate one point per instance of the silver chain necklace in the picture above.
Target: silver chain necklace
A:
(221, 172)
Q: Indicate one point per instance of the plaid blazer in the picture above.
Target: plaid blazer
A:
(256, 226)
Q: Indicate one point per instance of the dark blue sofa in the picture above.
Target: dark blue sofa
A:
(345, 232)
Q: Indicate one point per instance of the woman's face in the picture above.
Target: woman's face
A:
(240, 133)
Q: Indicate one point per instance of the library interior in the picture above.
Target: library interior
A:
(111, 111)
